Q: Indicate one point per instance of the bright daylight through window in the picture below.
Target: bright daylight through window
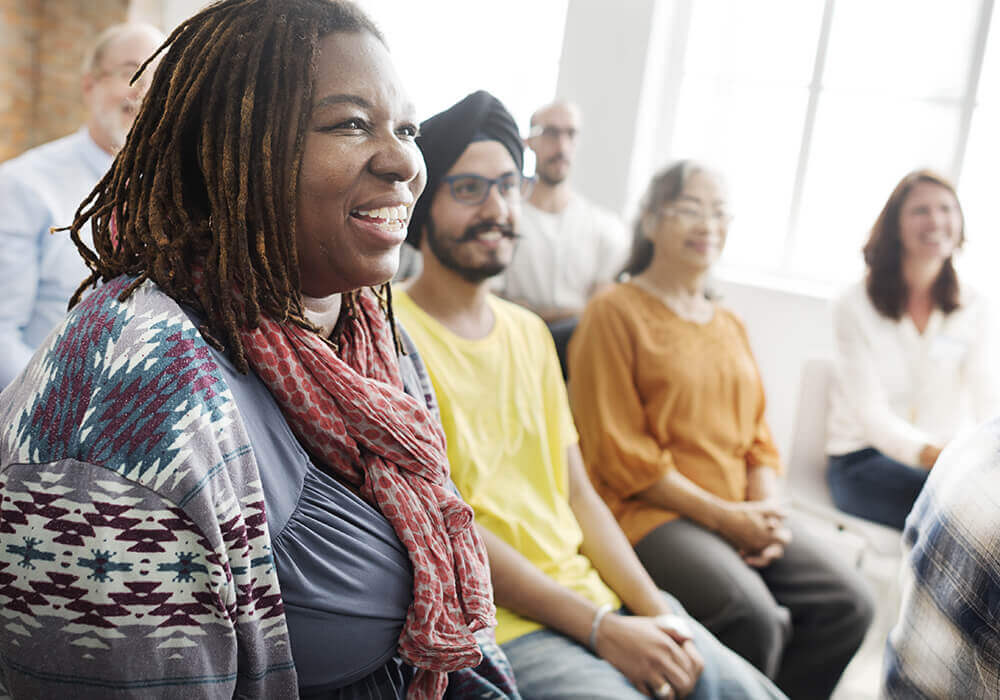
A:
(816, 108)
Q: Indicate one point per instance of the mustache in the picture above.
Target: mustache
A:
(506, 230)
(558, 158)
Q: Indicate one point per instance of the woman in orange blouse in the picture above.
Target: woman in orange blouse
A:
(670, 410)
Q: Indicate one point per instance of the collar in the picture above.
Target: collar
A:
(97, 159)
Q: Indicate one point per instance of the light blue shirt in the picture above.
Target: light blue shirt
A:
(40, 271)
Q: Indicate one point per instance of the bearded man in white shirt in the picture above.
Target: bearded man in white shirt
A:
(569, 246)
(43, 187)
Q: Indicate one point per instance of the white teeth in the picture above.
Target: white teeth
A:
(388, 214)
(491, 236)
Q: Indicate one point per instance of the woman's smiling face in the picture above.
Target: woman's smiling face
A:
(361, 170)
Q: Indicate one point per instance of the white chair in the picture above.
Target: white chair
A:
(806, 483)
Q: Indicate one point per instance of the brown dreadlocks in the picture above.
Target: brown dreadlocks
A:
(201, 199)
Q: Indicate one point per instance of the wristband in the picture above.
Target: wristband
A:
(598, 616)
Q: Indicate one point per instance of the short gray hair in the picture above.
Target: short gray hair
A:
(92, 59)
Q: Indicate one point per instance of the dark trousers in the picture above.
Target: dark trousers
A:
(561, 332)
(799, 620)
(870, 485)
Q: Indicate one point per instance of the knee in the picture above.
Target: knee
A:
(850, 611)
(857, 609)
(763, 628)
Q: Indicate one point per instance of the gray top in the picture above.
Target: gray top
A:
(346, 581)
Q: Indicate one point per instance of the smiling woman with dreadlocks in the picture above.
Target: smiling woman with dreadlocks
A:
(222, 473)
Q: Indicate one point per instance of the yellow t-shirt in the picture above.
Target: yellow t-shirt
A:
(505, 412)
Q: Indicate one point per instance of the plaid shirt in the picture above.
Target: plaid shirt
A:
(947, 641)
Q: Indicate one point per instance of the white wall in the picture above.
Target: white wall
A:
(617, 65)
(786, 328)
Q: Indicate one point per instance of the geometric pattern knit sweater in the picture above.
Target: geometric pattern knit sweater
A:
(134, 550)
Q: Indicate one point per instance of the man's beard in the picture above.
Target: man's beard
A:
(548, 177)
(444, 250)
(115, 127)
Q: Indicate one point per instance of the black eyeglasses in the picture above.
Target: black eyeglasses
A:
(467, 188)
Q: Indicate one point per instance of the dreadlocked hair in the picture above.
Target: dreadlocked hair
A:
(201, 199)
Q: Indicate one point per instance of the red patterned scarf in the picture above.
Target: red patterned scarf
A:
(349, 409)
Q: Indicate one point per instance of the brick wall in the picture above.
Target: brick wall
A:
(18, 40)
(42, 43)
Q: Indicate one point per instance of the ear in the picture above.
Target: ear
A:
(87, 82)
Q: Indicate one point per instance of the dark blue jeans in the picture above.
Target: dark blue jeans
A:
(870, 485)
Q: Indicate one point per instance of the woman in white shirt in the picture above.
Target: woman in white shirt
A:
(913, 363)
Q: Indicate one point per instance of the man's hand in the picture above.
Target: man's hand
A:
(751, 526)
(649, 655)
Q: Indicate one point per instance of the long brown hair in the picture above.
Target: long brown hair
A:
(884, 254)
(207, 179)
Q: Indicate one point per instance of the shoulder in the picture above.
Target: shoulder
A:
(955, 519)
(620, 299)
(132, 386)
(853, 301)
(974, 301)
(729, 316)
(516, 316)
(603, 219)
(43, 158)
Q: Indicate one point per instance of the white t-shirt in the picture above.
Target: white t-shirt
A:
(897, 389)
(561, 257)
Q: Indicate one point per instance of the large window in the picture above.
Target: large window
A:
(816, 108)
(445, 49)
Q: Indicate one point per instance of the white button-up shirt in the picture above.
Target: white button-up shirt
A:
(897, 389)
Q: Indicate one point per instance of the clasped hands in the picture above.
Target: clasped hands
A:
(757, 530)
(656, 654)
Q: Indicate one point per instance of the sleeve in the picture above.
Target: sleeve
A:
(113, 591)
(24, 219)
(616, 444)
(763, 450)
(863, 390)
(979, 374)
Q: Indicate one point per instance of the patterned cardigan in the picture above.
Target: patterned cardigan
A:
(134, 550)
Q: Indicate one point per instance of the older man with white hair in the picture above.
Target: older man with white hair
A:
(43, 187)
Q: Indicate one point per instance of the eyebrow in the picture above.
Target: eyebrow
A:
(344, 99)
(357, 100)
(696, 200)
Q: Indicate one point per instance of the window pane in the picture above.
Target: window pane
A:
(751, 134)
(861, 148)
(727, 39)
(916, 48)
(989, 89)
(445, 49)
(978, 192)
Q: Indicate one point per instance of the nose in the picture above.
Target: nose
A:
(397, 160)
(940, 219)
(495, 207)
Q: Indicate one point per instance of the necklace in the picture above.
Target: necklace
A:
(696, 309)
